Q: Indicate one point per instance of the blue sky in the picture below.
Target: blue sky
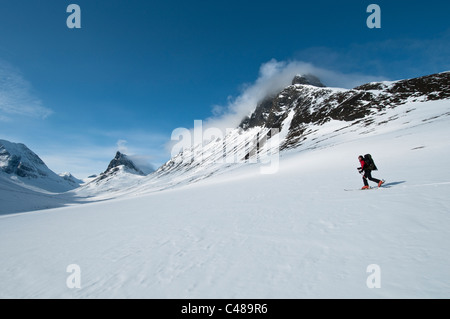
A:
(137, 70)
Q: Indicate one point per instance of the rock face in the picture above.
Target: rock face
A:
(18, 162)
(122, 159)
(301, 111)
(312, 104)
(17, 159)
(119, 164)
(307, 79)
(268, 111)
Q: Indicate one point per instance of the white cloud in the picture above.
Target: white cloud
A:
(273, 77)
(122, 146)
(143, 163)
(16, 96)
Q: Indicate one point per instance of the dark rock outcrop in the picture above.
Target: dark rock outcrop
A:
(312, 103)
(122, 159)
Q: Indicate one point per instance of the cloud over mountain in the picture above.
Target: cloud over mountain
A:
(273, 77)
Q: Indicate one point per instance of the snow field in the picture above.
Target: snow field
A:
(240, 234)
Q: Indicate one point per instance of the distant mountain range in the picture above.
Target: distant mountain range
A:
(309, 115)
(26, 183)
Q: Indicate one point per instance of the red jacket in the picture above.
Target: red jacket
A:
(362, 163)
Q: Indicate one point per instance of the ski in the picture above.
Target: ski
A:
(367, 189)
(359, 189)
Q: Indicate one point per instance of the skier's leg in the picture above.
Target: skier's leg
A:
(369, 176)
(376, 180)
(365, 180)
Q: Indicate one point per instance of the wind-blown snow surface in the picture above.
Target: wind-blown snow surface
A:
(241, 234)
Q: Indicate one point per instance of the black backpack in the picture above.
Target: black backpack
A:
(370, 163)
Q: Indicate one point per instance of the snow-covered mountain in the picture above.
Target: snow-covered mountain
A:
(26, 183)
(203, 226)
(305, 115)
(301, 108)
(308, 115)
(122, 172)
(21, 165)
(71, 179)
(123, 160)
(120, 164)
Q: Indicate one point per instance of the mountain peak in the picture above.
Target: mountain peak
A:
(21, 165)
(307, 79)
(306, 103)
(17, 159)
(122, 159)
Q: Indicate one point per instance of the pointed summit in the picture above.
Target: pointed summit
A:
(122, 159)
(307, 79)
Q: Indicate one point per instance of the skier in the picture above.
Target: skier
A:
(367, 168)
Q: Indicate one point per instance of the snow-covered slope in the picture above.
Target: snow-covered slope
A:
(238, 233)
(17, 197)
(294, 234)
(120, 174)
(71, 179)
(26, 183)
(305, 115)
